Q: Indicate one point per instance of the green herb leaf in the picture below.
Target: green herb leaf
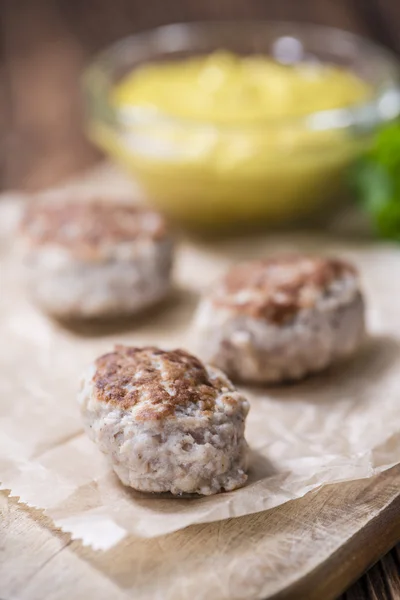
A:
(376, 182)
(386, 150)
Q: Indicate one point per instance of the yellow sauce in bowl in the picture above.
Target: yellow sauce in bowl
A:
(222, 138)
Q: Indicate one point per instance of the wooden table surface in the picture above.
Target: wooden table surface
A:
(45, 44)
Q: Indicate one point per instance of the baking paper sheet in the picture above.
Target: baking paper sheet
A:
(340, 425)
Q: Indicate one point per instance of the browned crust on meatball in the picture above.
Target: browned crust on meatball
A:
(279, 287)
(161, 380)
(89, 224)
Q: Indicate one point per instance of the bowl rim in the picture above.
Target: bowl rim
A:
(382, 106)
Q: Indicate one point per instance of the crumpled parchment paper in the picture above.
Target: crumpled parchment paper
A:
(340, 425)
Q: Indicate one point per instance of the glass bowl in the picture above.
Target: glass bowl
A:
(272, 171)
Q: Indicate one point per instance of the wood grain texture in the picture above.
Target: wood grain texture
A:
(308, 549)
(44, 45)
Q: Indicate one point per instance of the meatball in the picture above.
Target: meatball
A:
(281, 319)
(166, 422)
(94, 258)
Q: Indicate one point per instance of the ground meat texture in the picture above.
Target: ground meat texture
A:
(94, 258)
(166, 422)
(281, 319)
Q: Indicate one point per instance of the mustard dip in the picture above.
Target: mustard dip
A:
(223, 138)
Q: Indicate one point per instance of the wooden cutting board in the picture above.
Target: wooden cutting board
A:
(310, 549)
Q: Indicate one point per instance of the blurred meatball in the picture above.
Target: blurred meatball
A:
(280, 319)
(95, 259)
(166, 422)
